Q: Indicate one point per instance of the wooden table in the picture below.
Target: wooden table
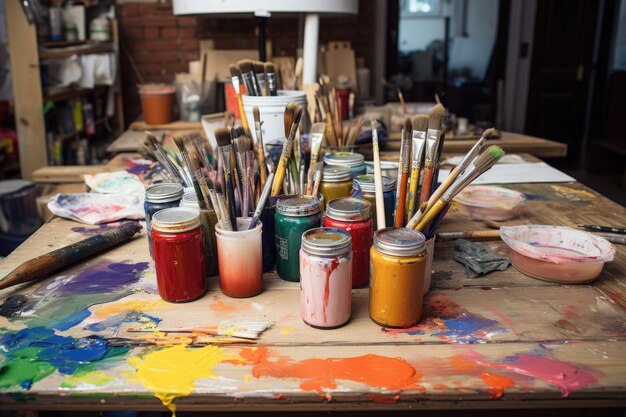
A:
(509, 141)
(501, 341)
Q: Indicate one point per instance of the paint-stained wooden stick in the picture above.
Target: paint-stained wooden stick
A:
(478, 234)
(44, 265)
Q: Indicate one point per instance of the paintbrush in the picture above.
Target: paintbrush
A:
(179, 142)
(403, 172)
(378, 178)
(478, 166)
(222, 135)
(44, 265)
(246, 68)
(420, 126)
(318, 178)
(467, 159)
(297, 73)
(317, 137)
(293, 111)
(261, 204)
(433, 136)
(610, 229)
(164, 159)
(234, 76)
(187, 341)
(259, 72)
(243, 330)
(270, 74)
(478, 234)
(405, 111)
(227, 223)
(260, 147)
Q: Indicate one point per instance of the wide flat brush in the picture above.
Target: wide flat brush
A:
(224, 145)
(44, 265)
(433, 136)
(480, 165)
(242, 330)
(234, 76)
(270, 74)
(246, 68)
(259, 73)
(378, 179)
(403, 172)
(317, 137)
(283, 162)
(420, 126)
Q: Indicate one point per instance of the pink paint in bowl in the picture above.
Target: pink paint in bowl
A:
(483, 202)
(557, 254)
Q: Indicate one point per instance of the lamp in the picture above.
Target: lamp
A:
(264, 9)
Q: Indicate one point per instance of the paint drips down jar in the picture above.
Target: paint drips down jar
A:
(159, 197)
(363, 187)
(325, 277)
(240, 259)
(295, 214)
(354, 215)
(354, 161)
(397, 282)
(336, 182)
(178, 247)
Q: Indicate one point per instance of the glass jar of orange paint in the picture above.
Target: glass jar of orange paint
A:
(398, 259)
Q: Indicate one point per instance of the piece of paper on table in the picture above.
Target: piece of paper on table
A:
(517, 174)
(506, 159)
(96, 208)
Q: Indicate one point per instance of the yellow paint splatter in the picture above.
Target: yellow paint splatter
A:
(119, 308)
(287, 330)
(247, 378)
(94, 378)
(171, 372)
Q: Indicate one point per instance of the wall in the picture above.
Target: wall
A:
(162, 44)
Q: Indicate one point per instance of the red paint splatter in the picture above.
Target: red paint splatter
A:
(332, 265)
(384, 399)
(498, 383)
(319, 374)
(566, 325)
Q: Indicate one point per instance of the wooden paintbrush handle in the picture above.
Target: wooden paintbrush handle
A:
(412, 197)
(468, 235)
(427, 181)
(44, 265)
(401, 198)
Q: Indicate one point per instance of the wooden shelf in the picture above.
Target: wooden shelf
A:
(71, 93)
(90, 48)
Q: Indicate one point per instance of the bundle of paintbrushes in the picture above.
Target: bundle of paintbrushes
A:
(327, 109)
(259, 78)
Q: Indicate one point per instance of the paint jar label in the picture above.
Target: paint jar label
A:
(283, 246)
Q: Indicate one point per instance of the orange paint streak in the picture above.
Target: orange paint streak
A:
(317, 374)
(498, 383)
(218, 305)
(383, 399)
(463, 365)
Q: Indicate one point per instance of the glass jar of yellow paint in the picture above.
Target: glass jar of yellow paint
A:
(398, 259)
(336, 182)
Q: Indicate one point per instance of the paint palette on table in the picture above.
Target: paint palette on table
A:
(490, 203)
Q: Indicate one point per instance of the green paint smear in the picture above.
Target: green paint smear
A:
(20, 371)
(95, 378)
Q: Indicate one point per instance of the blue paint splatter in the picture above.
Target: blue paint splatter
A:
(114, 322)
(111, 277)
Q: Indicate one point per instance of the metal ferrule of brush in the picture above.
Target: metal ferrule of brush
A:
(260, 78)
(225, 153)
(250, 82)
(271, 83)
(419, 138)
(235, 81)
(432, 140)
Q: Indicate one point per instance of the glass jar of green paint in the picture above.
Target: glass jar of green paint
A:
(295, 214)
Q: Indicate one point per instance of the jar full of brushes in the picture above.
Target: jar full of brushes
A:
(240, 259)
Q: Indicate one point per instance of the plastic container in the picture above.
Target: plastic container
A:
(325, 277)
(483, 202)
(272, 112)
(240, 259)
(157, 102)
(557, 254)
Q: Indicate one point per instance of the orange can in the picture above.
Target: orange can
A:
(398, 260)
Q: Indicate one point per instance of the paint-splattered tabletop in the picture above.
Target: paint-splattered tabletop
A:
(504, 340)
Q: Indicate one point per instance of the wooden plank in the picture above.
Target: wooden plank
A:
(26, 90)
(177, 125)
(90, 48)
(68, 173)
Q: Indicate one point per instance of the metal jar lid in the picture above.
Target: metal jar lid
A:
(175, 220)
(190, 200)
(349, 209)
(165, 192)
(349, 159)
(326, 241)
(399, 241)
(336, 174)
(366, 183)
(297, 205)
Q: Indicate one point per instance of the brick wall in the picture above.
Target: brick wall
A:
(162, 44)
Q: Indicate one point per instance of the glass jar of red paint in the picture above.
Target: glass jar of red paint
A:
(325, 277)
(178, 248)
(354, 215)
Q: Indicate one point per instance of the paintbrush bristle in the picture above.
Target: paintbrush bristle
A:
(178, 141)
(269, 68)
(245, 65)
(233, 70)
(435, 118)
(222, 135)
(258, 67)
(152, 138)
(318, 127)
(244, 144)
(420, 122)
(489, 133)
(289, 116)
(407, 126)
(489, 157)
(256, 113)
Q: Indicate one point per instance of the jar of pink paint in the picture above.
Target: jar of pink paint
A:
(325, 277)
